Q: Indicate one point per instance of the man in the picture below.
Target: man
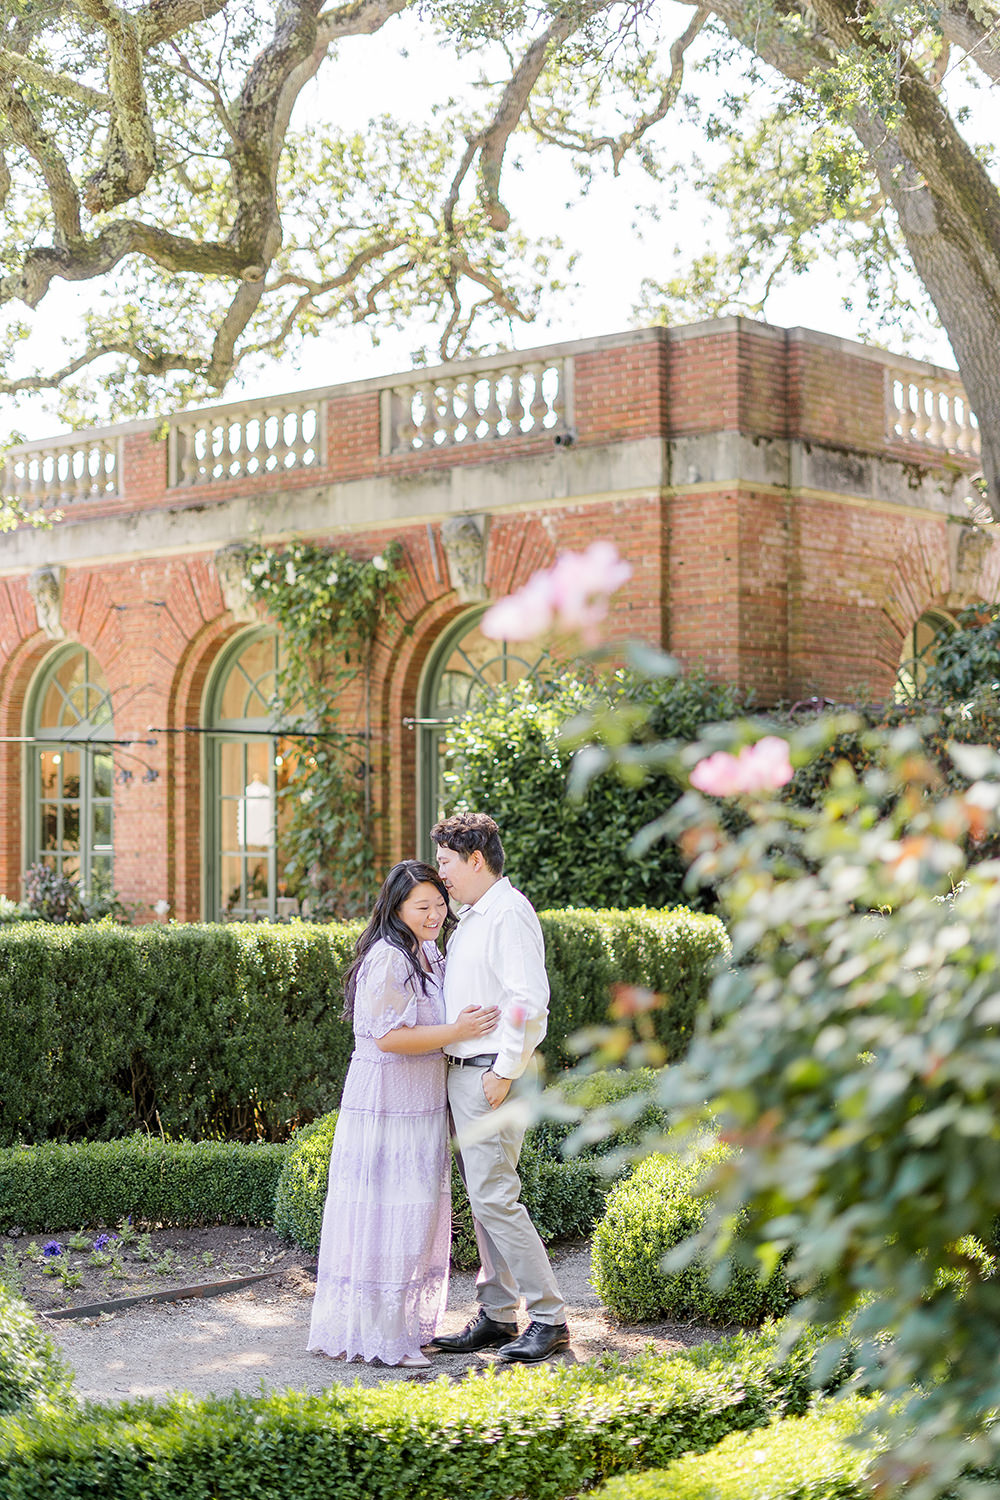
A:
(497, 957)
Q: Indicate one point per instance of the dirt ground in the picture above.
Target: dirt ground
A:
(254, 1340)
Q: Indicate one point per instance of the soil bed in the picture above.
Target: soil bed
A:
(254, 1340)
(135, 1263)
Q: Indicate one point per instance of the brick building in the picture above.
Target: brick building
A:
(795, 507)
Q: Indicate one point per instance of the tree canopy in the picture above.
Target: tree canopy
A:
(154, 149)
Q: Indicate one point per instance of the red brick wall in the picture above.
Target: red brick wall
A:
(786, 594)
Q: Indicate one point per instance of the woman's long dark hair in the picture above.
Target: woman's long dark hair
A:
(386, 924)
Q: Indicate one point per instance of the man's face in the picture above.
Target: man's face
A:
(461, 876)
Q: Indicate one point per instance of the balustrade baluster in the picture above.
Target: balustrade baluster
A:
(424, 434)
(515, 406)
(406, 427)
(448, 421)
(493, 414)
(539, 408)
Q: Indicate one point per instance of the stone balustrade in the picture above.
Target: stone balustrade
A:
(929, 408)
(65, 472)
(504, 397)
(253, 438)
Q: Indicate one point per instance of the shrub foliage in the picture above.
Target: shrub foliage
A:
(541, 1433)
(656, 1209)
(31, 1371)
(201, 1031)
(511, 758)
(63, 1185)
(795, 1457)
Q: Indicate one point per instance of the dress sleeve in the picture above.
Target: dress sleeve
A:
(386, 994)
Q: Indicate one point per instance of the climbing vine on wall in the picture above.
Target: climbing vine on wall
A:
(328, 607)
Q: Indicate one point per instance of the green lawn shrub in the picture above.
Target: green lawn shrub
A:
(65, 1185)
(31, 1371)
(301, 1191)
(201, 1031)
(674, 952)
(197, 1030)
(795, 1458)
(506, 757)
(563, 1198)
(594, 1114)
(541, 1434)
(649, 1213)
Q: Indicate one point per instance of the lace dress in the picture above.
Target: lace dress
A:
(382, 1282)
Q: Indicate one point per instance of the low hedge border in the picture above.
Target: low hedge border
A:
(235, 1030)
(796, 1457)
(649, 1214)
(66, 1185)
(32, 1372)
(563, 1197)
(542, 1434)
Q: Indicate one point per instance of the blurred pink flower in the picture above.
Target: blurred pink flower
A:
(757, 768)
(572, 595)
(517, 1014)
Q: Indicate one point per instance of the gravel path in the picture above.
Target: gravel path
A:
(255, 1340)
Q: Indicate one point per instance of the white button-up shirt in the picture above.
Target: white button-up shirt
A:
(497, 957)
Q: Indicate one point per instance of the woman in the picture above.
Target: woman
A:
(383, 1257)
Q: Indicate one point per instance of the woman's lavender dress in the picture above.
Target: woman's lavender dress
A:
(383, 1257)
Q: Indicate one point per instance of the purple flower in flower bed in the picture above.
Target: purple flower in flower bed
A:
(103, 1241)
(52, 1247)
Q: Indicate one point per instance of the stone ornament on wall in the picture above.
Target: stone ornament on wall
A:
(231, 567)
(970, 543)
(464, 542)
(45, 585)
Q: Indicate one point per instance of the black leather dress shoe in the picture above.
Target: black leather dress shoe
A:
(538, 1341)
(482, 1332)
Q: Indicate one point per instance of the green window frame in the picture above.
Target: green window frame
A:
(70, 770)
(464, 670)
(919, 649)
(246, 766)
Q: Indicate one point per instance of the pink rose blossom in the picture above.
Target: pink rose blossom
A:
(762, 767)
(570, 596)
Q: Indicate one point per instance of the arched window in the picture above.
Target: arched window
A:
(70, 817)
(246, 771)
(919, 648)
(464, 670)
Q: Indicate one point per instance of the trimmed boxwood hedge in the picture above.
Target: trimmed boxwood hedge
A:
(653, 1210)
(301, 1189)
(795, 1457)
(541, 1434)
(201, 1031)
(563, 1198)
(31, 1371)
(64, 1185)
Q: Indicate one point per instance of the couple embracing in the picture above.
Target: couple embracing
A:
(437, 1033)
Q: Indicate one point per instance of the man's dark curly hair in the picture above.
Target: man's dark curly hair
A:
(467, 832)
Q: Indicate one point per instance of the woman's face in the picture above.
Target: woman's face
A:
(423, 911)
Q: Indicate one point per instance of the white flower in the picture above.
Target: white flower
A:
(290, 573)
(248, 585)
(306, 796)
(379, 563)
(332, 579)
(258, 568)
(162, 907)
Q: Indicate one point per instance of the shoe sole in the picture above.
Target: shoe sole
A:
(471, 1348)
(535, 1359)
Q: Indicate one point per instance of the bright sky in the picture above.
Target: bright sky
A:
(613, 253)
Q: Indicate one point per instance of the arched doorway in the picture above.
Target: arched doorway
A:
(919, 649)
(464, 670)
(247, 767)
(70, 815)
